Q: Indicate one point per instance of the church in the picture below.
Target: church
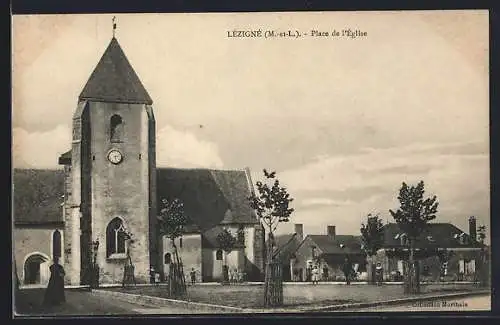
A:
(109, 187)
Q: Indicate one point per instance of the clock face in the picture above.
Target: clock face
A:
(115, 156)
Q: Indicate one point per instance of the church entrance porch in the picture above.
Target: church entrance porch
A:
(36, 269)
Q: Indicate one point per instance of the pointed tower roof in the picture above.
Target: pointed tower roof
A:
(114, 79)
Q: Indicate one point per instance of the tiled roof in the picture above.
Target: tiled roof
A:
(210, 197)
(286, 246)
(114, 79)
(38, 195)
(437, 235)
(338, 244)
(65, 158)
(209, 238)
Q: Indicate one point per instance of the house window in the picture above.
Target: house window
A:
(400, 266)
(218, 255)
(115, 237)
(56, 243)
(313, 251)
(167, 258)
(470, 267)
(404, 240)
(461, 266)
(116, 128)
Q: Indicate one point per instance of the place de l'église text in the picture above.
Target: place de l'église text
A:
(348, 33)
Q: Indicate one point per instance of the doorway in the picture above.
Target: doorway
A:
(35, 269)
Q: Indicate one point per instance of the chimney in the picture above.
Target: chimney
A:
(472, 229)
(299, 230)
(330, 231)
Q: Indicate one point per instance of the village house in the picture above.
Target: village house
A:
(444, 251)
(109, 186)
(285, 247)
(328, 252)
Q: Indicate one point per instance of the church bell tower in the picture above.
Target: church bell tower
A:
(113, 173)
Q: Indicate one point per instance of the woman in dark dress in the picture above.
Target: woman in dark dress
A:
(54, 294)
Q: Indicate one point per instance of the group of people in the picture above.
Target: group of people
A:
(236, 276)
(347, 269)
(232, 275)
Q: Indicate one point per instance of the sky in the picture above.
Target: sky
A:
(343, 121)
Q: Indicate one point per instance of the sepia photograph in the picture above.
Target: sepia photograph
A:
(250, 163)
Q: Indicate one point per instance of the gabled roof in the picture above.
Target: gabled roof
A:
(38, 195)
(437, 235)
(338, 244)
(65, 158)
(114, 79)
(210, 197)
(286, 246)
(209, 238)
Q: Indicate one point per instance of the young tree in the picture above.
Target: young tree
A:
(172, 221)
(483, 265)
(226, 242)
(481, 233)
(412, 217)
(128, 274)
(272, 206)
(372, 236)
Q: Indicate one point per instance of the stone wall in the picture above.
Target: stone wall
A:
(34, 240)
(190, 252)
(121, 190)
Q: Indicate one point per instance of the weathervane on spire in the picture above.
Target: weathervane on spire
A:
(114, 26)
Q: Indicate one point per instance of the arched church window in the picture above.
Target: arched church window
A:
(241, 235)
(115, 237)
(56, 243)
(168, 258)
(218, 255)
(116, 128)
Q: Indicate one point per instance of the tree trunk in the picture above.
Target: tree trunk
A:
(412, 277)
(225, 269)
(176, 280)
(370, 270)
(273, 285)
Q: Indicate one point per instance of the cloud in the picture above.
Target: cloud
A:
(176, 148)
(322, 201)
(39, 149)
(368, 182)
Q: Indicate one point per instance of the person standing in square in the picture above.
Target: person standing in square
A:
(193, 276)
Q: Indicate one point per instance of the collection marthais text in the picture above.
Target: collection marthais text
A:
(346, 33)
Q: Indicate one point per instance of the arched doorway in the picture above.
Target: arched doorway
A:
(36, 269)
